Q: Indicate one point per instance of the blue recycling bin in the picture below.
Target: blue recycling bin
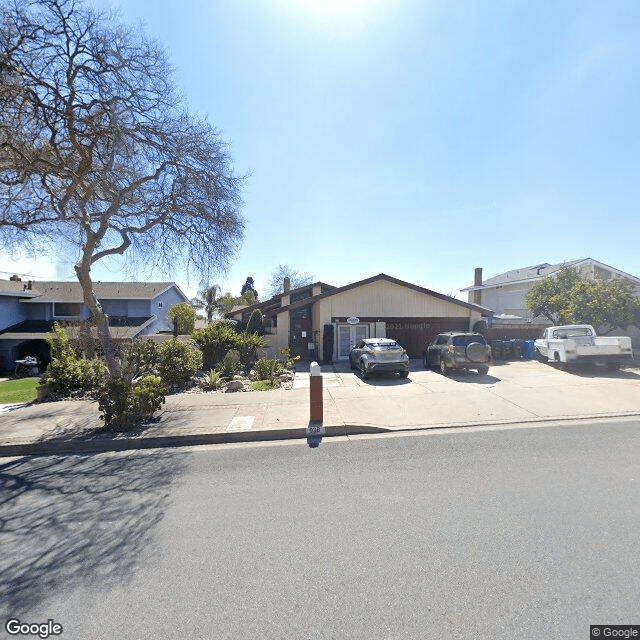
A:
(530, 349)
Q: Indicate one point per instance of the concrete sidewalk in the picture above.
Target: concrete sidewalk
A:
(513, 392)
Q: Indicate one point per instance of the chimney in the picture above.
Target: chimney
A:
(15, 279)
(286, 285)
(477, 282)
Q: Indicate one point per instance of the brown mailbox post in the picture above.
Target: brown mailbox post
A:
(315, 393)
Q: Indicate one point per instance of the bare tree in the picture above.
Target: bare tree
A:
(98, 151)
(283, 271)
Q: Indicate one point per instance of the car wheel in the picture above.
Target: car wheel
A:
(426, 360)
(403, 374)
(483, 371)
(363, 370)
(351, 364)
(443, 367)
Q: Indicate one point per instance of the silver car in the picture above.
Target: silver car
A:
(379, 354)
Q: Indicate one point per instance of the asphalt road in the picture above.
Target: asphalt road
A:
(499, 534)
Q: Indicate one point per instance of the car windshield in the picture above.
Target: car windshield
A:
(465, 341)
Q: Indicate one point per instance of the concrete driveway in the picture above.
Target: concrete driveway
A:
(511, 391)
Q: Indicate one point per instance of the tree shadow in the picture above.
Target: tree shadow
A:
(75, 520)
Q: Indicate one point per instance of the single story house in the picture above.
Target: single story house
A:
(319, 321)
(29, 309)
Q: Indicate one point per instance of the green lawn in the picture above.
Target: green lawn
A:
(264, 385)
(22, 390)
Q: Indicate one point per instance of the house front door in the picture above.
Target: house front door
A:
(348, 335)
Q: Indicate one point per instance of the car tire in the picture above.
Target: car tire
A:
(443, 367)
(403, 374)
(363, 371)
(426, 361)
(483, 371)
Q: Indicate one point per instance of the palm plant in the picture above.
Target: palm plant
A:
(208, 300)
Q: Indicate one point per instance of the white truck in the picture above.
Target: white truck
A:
(578, 343)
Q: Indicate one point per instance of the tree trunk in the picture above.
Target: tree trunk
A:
(83, 271)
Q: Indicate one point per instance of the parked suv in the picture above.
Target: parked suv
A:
(457, 350)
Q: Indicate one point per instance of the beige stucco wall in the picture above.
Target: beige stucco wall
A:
(383, 299)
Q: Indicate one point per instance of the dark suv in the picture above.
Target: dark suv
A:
(457, 350)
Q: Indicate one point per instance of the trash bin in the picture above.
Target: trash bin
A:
(496, 349)
(518, 348)
(530, 349)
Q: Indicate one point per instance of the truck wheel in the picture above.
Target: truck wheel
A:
(483, 371)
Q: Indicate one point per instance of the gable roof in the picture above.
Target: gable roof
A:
(539, 271)
(402, 283)
(275, 302)
(121, 328)
(60, 291)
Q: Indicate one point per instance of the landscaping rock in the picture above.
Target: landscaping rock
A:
(235, 385)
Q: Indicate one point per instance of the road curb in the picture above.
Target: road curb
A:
(106, 443)
(101, 445)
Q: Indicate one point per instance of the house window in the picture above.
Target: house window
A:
(67, 309)
(159, 305)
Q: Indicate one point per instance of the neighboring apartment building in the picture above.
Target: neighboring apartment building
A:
(381, 306)
(505, 294)
(28, 310)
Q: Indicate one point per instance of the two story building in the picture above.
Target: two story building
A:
(28, 310)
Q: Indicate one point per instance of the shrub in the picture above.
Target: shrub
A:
(228, 367)
(67, 372)
(124, 404)
(247, 345)
(183, 315)
(140, 357)
(256, 322)
(178, 361)
(289, 358)
(211, 380)
(268, 369)
(215, 341)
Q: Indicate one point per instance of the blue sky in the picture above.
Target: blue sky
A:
(420, 139)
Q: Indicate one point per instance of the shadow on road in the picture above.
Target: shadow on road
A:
(71, 520)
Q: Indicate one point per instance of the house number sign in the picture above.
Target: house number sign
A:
(353, 320)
